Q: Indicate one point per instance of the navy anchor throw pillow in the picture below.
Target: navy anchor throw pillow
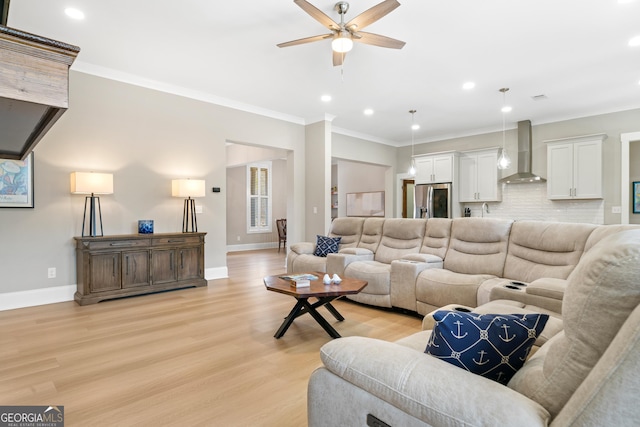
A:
(492, 345)
(326, 245)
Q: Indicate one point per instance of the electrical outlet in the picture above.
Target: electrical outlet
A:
(238, 238)
(198, 208)
(315, 209)
(616, 209)
(51, 273)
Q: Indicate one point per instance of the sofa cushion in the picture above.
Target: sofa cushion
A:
(494, 346)
(375, 273)
(349, 228)
(544, 249)
(400, 236)
(602, 291)
(438, 287)
(326, 245)
(436, 237)
(478, 246)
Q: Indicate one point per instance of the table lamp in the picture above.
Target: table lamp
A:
(91, 183)
(188, 188)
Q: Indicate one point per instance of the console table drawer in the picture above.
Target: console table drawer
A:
(118, 244)
(176, 240)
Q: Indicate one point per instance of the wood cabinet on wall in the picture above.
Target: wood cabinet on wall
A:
(117, 266)
(435, 168)
(574, 167)
(479, 176)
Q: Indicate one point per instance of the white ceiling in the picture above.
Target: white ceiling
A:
(573, 51)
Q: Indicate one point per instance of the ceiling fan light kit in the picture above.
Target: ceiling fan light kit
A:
(344, 34)
(342, 43)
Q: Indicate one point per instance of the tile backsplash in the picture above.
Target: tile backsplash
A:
(529, 202)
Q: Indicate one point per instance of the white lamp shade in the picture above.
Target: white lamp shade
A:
(90, 182)
(187, 188)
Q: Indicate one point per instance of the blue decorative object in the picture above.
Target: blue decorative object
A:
(494, 346)
(326, 245)
(145, 226)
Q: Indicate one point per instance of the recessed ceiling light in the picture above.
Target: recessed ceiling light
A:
(74, 13)
(468, 85)
(635, 41)
(415, 126)
(506, 109)
(368, 111)
(325, 98)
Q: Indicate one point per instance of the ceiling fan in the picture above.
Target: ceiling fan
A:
(344, 34)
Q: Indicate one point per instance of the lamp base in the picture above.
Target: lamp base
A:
(94, 205)
(189, 221)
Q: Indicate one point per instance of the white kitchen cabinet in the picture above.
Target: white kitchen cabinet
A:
(435, 168)
(574, 168)
(479, 176)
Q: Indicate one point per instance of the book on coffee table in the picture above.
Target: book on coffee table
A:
(300, 280)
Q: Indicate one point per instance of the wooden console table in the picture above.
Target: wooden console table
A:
(133, 264)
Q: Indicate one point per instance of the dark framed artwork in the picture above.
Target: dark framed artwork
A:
(636, 197)
(16, 183)
(365, 204)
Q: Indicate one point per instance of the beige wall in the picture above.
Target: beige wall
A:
(612, 125)
(145, 138)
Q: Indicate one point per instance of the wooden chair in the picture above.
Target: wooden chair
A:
(282, 232)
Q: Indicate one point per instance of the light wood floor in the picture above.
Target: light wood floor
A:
(202, 356)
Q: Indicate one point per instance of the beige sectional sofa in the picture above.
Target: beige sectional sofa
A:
(420, 265)
(585, 372)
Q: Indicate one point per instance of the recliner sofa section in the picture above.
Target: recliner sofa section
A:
(400, 237)
(465, 261)
(541, 256)
(476, 253)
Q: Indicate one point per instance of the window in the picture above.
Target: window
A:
(259, 198)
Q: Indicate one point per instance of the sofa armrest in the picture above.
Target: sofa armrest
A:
(546, 293)
(336, 263)
(427, 388)
(303, 248)
(404, 273)
(548, 287)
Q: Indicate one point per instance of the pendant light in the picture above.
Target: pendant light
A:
(412, 168)
(504, 161)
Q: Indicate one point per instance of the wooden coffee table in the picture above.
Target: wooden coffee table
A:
(318, 290)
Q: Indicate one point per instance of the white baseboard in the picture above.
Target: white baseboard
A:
(216, 273)
(31, 298)
(252, 247)
(42, 296)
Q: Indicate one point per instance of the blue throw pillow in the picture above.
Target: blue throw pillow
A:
(326, 245)
(494, 346)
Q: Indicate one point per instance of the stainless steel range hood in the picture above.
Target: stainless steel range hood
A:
(525, 142)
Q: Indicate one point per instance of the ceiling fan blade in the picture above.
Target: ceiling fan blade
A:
(378, 40)
(370, 16)
(317, 14)
(338, 58)
(305, 40)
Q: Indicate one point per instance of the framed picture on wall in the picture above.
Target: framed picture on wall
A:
(636, 197)
(16, 183)
(365, 204)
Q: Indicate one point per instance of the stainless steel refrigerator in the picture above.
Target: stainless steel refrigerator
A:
(432, 201)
